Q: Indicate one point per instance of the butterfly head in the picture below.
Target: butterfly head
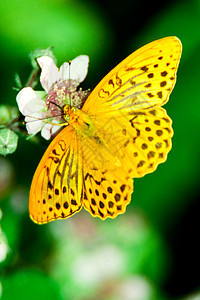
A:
(69, 113)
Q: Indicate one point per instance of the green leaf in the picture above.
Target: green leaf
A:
(17, 82)
(7, 114)
(8, 141)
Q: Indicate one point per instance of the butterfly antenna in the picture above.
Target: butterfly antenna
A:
(46, 118)
(56, 105)
(41, 119)
(70, 100)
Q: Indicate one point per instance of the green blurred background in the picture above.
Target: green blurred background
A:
(152, 251)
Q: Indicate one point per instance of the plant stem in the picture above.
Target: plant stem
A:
(32, 80)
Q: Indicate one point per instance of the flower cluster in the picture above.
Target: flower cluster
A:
(43, 110)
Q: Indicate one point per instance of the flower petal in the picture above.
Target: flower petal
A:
(49, 130)
(78, 69)
(64, 72)
(27, 98)
(34, 106)
(33, 126)
(49, 74)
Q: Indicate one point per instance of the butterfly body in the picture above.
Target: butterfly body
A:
(80, 121)
(121, 132)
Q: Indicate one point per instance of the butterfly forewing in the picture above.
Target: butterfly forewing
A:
(144, 79)
(57, 184)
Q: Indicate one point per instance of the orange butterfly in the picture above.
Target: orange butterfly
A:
(121, 132)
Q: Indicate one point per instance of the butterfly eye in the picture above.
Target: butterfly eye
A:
(66, 109)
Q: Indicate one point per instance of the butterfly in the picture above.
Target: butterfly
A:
(120, 133)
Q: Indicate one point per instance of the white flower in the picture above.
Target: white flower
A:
(3, 250)
(3, 243)
(60, 89)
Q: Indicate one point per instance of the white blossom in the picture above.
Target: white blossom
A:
(43, 111)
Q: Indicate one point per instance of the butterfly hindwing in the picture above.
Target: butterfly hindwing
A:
(106, 194)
